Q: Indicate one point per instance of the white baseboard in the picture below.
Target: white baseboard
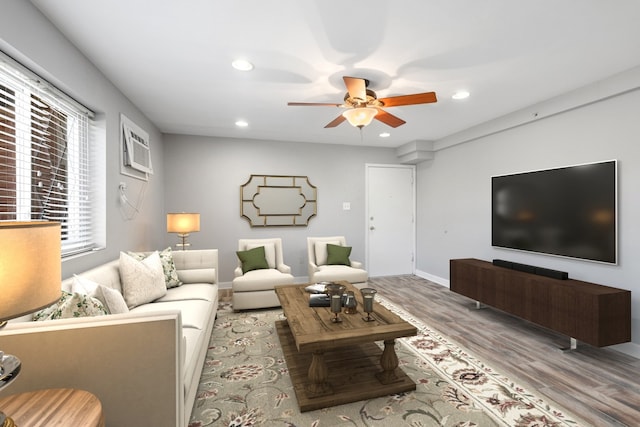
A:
(628, 348)
(432, 278)
(224, 285)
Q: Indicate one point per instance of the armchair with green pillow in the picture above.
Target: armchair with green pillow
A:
(260, 268)
(329, 261)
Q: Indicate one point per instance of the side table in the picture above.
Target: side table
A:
(54, 407)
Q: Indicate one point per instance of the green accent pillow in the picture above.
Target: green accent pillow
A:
(338, 255)
(253, 259)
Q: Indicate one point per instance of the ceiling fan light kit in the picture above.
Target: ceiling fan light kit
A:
(363, 105)
(242, 65)
(461, 94)
(360, 117)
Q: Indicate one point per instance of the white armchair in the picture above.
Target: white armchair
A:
(322, 271)
(255, 288)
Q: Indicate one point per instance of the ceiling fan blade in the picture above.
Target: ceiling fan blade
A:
(389, 119)
(418, 98)
(356, 87)
(336, 121)
(313, 104)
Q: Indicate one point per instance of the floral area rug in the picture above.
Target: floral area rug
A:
(245, 382)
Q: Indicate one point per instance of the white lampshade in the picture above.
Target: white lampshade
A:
(183, 222)
(360, 116)
(30, 267)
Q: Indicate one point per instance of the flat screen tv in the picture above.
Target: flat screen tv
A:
(568, 211)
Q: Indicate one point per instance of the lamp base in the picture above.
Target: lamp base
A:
(184, 245)
(9, 370)
(6, 421)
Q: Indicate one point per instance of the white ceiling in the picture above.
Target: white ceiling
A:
(172, 58)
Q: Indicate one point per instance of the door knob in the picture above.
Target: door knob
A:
(372, 228)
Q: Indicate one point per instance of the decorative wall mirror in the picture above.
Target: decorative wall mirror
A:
(278, 200)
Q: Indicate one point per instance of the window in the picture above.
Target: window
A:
(45, 157)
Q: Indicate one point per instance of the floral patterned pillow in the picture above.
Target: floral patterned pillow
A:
(168, 266)
(71, 305)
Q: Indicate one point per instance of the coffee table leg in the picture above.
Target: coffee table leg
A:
(318, 373)
(389, 363)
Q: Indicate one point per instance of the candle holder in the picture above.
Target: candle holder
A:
(335, 293)
(368, 295)
(350, 303)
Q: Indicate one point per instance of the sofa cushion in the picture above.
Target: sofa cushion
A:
(71, 304)
(332, 273)
(269, 252)
(194, 291)
(338, 255)
(112, 300)
(168, 266)
(198, 275)
(106, 274)
(259, 280)
(194, 313)
(321, 251)
(253, 259)
(142, 281)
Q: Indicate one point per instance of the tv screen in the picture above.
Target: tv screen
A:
(568, 211)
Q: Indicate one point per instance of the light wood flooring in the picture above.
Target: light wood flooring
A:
(599, 385)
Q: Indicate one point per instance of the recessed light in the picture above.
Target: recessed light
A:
(385, 135)
(461, 94)
(242, 124)
(242, 65)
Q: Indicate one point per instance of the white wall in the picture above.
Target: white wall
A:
(205, 174)
(454, 206)
(27, 36)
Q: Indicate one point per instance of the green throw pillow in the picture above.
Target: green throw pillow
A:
(338, 255)
(253, 259)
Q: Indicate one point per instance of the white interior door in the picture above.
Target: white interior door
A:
(390, 220)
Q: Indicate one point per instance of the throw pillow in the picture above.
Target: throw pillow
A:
(168, 266)
(142, 281)
(321, 251)
(112, 300)
(71, 305)
(252, 259)
(269, 252)
(338, 255)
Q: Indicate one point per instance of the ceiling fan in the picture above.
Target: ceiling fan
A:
(363, 105)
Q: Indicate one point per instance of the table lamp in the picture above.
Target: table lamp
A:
(30, 276)
(183, 224)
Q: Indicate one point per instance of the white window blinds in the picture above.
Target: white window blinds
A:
(44, 157)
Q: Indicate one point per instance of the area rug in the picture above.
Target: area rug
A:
(245, 382)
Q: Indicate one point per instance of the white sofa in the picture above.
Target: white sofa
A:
(144, 365)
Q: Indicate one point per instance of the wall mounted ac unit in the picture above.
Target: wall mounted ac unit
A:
(136, 148)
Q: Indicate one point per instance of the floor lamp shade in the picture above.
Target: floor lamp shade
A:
(30, 266)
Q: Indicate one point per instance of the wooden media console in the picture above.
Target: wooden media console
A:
(595, 314)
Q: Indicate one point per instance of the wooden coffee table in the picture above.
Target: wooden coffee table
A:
(335, 363)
